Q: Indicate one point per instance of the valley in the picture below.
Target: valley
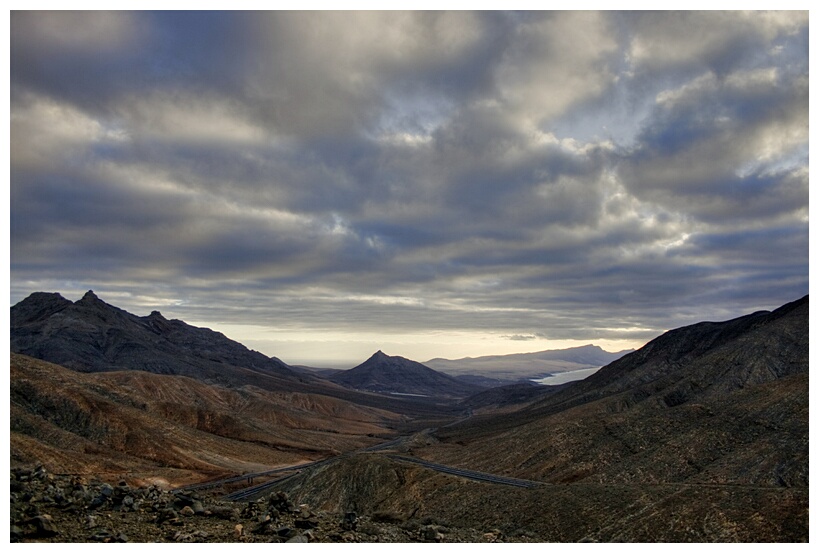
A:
(701, 435)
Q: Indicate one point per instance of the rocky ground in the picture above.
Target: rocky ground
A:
(49, 508)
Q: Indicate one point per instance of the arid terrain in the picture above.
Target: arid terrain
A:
(701, 435)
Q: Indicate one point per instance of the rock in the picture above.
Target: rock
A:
(186, 511)
(180, 536)
(281, 502)
(44, 526)
(369, 528)
(104, 535)
(430, 533)
(350, 521)
(166, 514)
(106, 490)
(224, 512)
(307, 523)
(197, 507)
(264, 527)
(301, 538)
(128, 503)
(237, 531)
(285, 532)
(16, 533)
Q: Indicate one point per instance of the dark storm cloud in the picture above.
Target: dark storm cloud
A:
(548, 175)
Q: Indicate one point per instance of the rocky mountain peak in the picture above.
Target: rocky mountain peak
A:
(389, 374)
(38, 306)
(89, 298)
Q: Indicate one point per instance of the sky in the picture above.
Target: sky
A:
(321, 185)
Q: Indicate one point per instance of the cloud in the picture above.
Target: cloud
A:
(521, 337)
(715, 40)
(558, 175)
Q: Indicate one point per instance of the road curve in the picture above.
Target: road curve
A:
(470, 474)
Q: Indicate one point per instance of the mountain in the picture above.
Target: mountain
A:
(395, 375)
(702, 435)
(90, 335)
(715, 402)
(524, 366)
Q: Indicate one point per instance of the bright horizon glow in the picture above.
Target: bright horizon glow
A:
(339, 350)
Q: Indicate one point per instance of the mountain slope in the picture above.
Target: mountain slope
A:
(712, 403)
(396, 375)
(92, 336)
(137, 421)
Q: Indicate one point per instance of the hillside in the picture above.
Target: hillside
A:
(710, 403)
(395, 375)
(172, 426)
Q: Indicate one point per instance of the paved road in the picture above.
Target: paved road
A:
(240, 477)
(471, 474)
(252, 491)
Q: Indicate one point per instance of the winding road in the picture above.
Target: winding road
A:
(246, 494)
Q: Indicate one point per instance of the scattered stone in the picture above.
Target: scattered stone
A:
(301, 538)
(237, 530)
(166, 514)
(102, 535)
(224, 512)
(197, 507)
(97, 502)
(430, 533)
(307, 523)
(285, 532)
(369, 528)
(44, 526)
(128, 503)
(350, 521)
(186, 511)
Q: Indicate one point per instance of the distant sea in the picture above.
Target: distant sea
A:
(568, 376)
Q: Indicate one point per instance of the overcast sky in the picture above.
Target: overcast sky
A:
(322, 185)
